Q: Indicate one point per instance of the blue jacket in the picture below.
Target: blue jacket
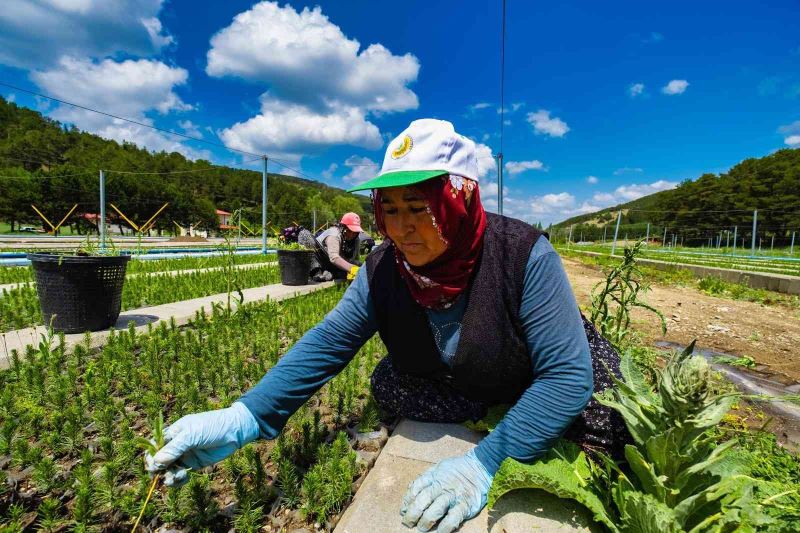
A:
(559, 351)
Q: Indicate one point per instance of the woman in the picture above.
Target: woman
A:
(336, 248)
(475, 310)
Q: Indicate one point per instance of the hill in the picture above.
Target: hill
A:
(55, 166)
(701, 208)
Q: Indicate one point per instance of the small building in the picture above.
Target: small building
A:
(225, 220)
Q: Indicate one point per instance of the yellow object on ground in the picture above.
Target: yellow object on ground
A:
(352, 274)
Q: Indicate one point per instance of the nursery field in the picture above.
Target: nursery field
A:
(71, 423)
(22, 274)
(772, 264)
(19, 307)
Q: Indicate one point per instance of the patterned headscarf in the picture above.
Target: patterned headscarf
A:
(454, 206)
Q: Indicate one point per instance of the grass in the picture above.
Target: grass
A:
(71, 421)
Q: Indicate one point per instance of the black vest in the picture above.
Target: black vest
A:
(491, 362)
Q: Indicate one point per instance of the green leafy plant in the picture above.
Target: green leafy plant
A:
(676, 477)
(615, 298)
(328, 484)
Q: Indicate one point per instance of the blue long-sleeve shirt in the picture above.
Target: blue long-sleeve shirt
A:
(556, 341)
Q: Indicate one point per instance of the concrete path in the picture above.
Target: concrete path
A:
(264, 264)
(413, 448)
(182, 312)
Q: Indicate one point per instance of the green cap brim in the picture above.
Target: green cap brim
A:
(398, 179)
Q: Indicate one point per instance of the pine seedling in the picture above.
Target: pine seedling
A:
(248, 517)
(151, 447)
(289, 482)
(370, 416)
(49, 519)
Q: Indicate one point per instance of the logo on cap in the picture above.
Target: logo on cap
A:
(406, 147)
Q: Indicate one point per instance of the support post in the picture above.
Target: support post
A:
(616, 232)
(604, 234)
(500, 183)
(647, 238)
(755, 226)
(314, 220)
(101, 224)
(664, 238)
(791, 248)
(569, 238)
(772, 244)
(264, 207)
(735, 229)
(727, 239)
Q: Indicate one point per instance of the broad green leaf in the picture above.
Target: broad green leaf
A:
(649, 481)
(564, 471)
(635, 379)
(642, 513)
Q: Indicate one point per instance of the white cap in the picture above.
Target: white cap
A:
(426, 149)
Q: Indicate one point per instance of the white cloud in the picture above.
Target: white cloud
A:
(627, 193)
(130, 88)
(289, 129)
(592, 180)
(628, 170)
(361, 169)
(487, 165)
(517, 167)
(328, 172)
(516, 105)
(544, 124)
(675, 87)
(11, 97)
(477, 107)
(636, 89)
(791, 133)
(127, 88)
(322, 84)
(550, 203)
(306, 59)
(37, 33)
(190, 128)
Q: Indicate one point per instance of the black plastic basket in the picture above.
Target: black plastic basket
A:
(79, 293)
(295, 266)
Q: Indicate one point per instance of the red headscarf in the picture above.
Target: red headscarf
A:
(456, 212)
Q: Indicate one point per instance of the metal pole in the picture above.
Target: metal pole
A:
(735, 228)
(264, 208)
(674, 239)
(604, 234)
(500, 183)
(755, 225)
(664, 238)
(102, 222)
(727, 239)
(772, 244)
(314, 221)
(647, 239)
(569, 238)
(791, 248)
(616, 232)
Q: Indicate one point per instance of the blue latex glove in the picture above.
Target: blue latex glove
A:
(454, 490)
(202, 439)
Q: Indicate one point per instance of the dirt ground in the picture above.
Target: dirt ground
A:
(768, 334)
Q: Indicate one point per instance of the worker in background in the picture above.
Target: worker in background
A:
(336, 249)
(475, 310)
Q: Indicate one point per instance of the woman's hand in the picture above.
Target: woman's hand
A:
(202, 439)
(454, 490)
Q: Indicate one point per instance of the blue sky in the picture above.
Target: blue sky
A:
(605, 101)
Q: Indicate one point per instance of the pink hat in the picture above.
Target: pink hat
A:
(352, 221)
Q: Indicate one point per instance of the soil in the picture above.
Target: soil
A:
(770, 334)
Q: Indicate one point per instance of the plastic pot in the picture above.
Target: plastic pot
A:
(294, 266)
(79, 293)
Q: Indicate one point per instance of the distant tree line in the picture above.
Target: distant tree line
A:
(700, 209)
(55, 166)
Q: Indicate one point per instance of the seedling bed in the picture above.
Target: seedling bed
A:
(19, 308)
(70, 421)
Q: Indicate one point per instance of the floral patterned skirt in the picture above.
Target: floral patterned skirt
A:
(429, 400)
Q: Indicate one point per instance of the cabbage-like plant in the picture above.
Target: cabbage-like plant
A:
(676, 478)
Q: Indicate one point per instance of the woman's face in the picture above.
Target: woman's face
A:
(409, 225)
